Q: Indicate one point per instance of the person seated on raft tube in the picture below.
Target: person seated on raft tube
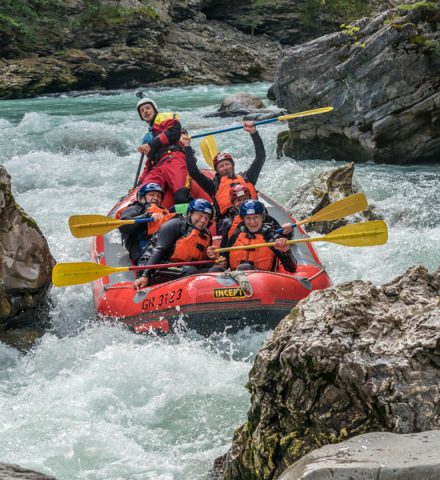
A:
(225, 176)
(181, 239)
(166, 164)
(239, 194)
(147, 205)
(254, 230)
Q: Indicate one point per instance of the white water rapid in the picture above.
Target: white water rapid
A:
(96, 402)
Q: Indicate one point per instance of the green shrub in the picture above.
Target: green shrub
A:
(426, 4)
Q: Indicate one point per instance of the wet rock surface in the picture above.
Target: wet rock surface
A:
(14, 472)
(382, 75)
(347, 360)
(382, 456)
(328, 187)
(127, 44)
(25, 271)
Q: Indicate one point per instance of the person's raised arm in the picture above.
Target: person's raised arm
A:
(205, 183)
(253, 172)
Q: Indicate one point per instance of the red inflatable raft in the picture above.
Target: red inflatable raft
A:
(209, 302)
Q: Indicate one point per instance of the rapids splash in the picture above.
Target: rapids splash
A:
(94, 401)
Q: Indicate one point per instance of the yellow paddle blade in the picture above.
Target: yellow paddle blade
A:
(91, 225)
(306, 113)
(75, 273)
(340, 209)
(209, 149)
(366, 234)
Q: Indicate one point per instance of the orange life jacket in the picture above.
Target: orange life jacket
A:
(262, 258)
(153, 227)
(191, 245)
(222, 199)
(235, 223)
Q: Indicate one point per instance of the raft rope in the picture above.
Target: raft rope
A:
(242, 280)
(316, 274)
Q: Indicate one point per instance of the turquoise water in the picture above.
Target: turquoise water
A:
(97, 402)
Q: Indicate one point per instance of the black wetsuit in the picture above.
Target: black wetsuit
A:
(210, 186)
(161, 249)
(135, 236)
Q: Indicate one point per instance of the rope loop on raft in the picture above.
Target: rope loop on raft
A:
(242, 280)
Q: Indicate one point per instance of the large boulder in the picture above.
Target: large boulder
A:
(383, 78)
(347, 360)
(384, 456)
(25, 270)
(327, 187)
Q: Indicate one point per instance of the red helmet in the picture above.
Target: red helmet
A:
(238, 191)
(222, 156)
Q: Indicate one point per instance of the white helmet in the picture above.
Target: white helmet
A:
(143, 101)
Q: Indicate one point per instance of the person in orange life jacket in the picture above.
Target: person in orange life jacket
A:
(147, 205)
(166, 164)
(181, 239)
(239, 194)
(225, 176)
(253, 230)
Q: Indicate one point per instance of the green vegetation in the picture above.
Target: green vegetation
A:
(352, 32)
(433, 46)
(31, 25)
(252, 21)
(345, 10)
(426, 4)
(99, 15)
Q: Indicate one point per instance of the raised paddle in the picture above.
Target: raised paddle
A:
(340, 209)
(91, 225)
(366, 234)
(282, 118)
(209, 149)
(138, 171)
(75, 273)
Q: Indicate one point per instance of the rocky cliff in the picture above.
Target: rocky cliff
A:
(25, 270)
(62, 45)
(56, 46)
(347, 360)
(383, 78)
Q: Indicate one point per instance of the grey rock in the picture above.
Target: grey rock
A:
(25, 270)
(381, 75)
(168, 43)
(328, 187)
(348, 360)
(239, 104)
(372, 456)
(14, 472)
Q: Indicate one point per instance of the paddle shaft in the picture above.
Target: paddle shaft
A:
(269, 120)
(327, 238)
(168, 265)
(115, 223)
(138, 171)
(342, 208)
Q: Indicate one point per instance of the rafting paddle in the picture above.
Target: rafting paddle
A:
(90, 225)
(75, 273)
(209, 149)
(340, 209)
(366, 234)
(138, 171)
(282, 118)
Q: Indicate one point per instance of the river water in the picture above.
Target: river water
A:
(93, 401)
